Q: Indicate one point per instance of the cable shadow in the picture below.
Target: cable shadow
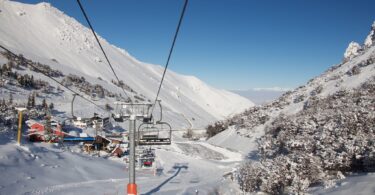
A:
(178, 166)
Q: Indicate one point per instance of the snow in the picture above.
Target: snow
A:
(45, 168)
(356, 69)
(361, 184)
(230, 139)
(329, 82)
(371, 37)
(51, 37)
(352, 50)
(40, 168)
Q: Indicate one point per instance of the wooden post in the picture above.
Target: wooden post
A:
(19, 127)
(19, 124)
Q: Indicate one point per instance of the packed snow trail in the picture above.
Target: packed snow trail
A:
(85, 184)
(41, 168)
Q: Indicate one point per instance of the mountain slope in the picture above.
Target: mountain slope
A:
(314, 135)
(357, 68)
(42, 33)
(261, 95)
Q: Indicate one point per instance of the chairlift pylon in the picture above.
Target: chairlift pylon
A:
(72, 104)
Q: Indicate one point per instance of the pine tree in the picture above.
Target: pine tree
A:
(44, 104)
(10, 65)
(32, 83)
(48, 128)
(10, 99)
(2, 70)
(20, 80)
(108, 107)
(51, 106)
(29, 102)
(33, 100)
(2, 103)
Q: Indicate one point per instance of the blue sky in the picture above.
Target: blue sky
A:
(233, 44)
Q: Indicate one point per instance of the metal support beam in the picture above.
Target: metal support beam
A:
(72, 108)
(132, 112)
(132, 186)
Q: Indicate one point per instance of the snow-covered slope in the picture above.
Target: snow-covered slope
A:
(357, 67)
(314, 135)
(41, 168)
(42, 33)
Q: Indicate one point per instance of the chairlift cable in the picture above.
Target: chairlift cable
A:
(40, 71)
(170, 52)
(101, 47)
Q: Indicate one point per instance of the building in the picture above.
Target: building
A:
(117, 152)
(36, 131)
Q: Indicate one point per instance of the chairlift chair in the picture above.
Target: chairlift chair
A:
(118, 117)
(154, 134)
(149, 132)
(124, 110)
(94, 97)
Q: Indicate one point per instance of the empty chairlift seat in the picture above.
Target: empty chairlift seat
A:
(154, 134)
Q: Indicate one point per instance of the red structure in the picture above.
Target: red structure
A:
(37, 133)
(147, 163)
(36, 127)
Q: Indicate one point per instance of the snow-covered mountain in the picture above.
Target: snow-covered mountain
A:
(314, 135)
(44, 34)
(357, 68)
(261, 95)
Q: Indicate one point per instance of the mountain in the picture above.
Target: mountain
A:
(315, 135)
(356, 69)
(44, 34)
(261, 95)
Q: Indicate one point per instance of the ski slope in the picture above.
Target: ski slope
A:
(41, 168)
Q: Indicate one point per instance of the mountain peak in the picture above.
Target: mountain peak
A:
(352, 50)
(44, 4)
(370, 39)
